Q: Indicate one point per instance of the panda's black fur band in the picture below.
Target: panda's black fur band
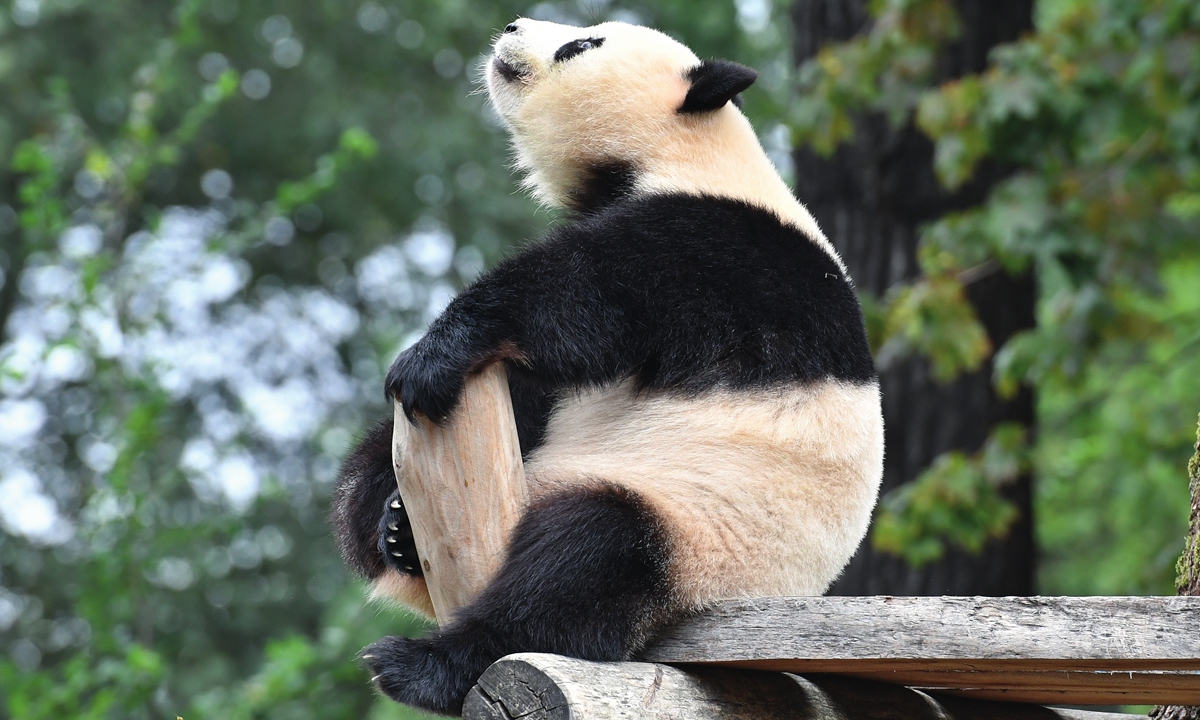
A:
(600, 185)
(585, 576)
(678, 292)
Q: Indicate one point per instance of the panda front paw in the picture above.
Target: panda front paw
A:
(427, 379)
(396, 538)
(433, 674)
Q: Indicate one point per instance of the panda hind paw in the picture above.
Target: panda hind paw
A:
(396, 538)
(423, 673)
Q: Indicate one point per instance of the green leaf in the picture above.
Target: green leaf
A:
(956, 502)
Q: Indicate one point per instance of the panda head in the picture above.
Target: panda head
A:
(615, 108)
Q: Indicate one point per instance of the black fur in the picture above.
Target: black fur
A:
(575, 47)
(679, 292)
(365, 483)
(602, 185)
(585, 576)
(714, 83)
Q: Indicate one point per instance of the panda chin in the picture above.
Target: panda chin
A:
(507, 70)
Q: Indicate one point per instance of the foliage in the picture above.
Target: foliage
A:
(219, 222)
(1096, 116)
(933, 317)
(955, 501)
(87, 687)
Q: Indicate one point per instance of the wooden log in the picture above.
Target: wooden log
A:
(1079, 650)
(533, 686)
(463, 486)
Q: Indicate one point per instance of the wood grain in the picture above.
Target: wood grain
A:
(463, 486)
(1084, 651)
(1072, 632)
(532, 686)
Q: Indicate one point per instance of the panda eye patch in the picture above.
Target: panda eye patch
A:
(575, 47)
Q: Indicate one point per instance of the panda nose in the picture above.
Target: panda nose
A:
(511, 28)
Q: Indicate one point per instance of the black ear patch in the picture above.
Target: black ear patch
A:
(714, 83)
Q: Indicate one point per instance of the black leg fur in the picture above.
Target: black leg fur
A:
(361, 506)
(586, 576)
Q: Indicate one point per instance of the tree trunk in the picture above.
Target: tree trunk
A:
(1187, 580)
(871, 197)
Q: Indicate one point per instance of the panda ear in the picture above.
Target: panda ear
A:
(714, 83)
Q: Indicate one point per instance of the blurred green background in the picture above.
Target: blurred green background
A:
(220, 220)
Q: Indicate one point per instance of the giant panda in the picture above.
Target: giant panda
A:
(696, 402)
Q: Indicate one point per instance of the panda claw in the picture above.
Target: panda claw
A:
(395, 539)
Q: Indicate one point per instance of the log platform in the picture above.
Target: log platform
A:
(899, 658)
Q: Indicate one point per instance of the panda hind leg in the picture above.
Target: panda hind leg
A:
(586, 576)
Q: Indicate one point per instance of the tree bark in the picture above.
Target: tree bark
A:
(1187, 580)
(871, 197)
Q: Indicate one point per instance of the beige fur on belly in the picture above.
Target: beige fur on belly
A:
(763, 493)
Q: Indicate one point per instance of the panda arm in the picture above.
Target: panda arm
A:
(543, 309)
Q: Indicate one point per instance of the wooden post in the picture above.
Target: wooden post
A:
(550, 687)
(463, 486)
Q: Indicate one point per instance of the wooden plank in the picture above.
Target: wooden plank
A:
(463, 486)
(532, 686)
(1151, 632)
(1065, 680)
(1068, 687)
(1094, 650)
